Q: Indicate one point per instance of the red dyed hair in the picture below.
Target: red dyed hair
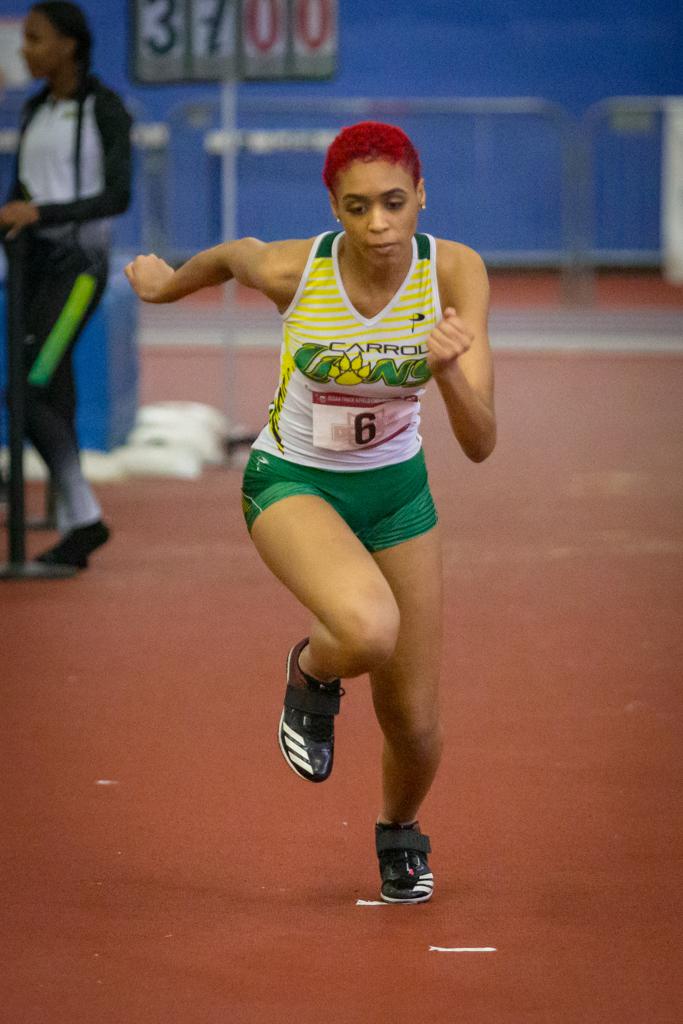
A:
(370, 140)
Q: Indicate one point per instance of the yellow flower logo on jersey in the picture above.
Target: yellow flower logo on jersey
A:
(349, 368)
(320, 364)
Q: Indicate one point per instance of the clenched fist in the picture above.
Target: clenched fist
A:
(149, 276)
(448, 341)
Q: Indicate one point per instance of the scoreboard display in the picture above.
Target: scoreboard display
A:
(233, 40)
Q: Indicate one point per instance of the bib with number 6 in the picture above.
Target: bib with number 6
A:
(343, 423)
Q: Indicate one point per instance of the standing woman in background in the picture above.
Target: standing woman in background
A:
(73, 173)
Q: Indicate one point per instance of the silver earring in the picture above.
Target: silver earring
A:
(337, 220)
(423, 206)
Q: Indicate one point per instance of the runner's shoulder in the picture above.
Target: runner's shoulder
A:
(278, 267)
(285, 260)
(456, 257)
(462, 276)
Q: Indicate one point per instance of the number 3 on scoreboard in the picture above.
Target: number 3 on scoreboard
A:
(162, 26)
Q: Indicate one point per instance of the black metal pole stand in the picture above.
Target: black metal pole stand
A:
(17, 568)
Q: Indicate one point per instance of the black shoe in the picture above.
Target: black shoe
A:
(403, 865)
(306, 732)
(75, 547)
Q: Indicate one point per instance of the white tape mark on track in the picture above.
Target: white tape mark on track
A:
(462, 949)
(371, 903)
(106, 782)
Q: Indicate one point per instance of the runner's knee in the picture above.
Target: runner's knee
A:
(368, 630)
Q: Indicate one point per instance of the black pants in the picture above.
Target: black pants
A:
(63, 285)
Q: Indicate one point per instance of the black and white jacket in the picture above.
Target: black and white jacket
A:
(74, 162)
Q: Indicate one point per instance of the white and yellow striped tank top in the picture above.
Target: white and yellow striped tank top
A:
(349, 392)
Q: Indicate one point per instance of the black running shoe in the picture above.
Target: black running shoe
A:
(75, 547)
(306, 732)
(403, 865)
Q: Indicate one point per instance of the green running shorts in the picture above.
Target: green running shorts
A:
(383, 507)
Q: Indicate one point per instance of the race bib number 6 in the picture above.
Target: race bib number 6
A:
(345, 422)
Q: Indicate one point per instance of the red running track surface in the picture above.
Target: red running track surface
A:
(207, 884)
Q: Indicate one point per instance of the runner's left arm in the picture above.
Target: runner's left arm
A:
(459, 354)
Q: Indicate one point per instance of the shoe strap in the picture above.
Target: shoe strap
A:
(402, 839)
(313, 702)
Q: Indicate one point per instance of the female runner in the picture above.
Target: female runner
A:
(335, 492)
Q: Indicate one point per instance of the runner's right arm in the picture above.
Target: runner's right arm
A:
(273, 268)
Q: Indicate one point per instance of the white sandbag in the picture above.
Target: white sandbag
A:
(184, 435)
(148, 460)
(163, 412)
(102, 467)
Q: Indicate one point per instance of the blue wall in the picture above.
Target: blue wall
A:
(573, 53)
(496, 185)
